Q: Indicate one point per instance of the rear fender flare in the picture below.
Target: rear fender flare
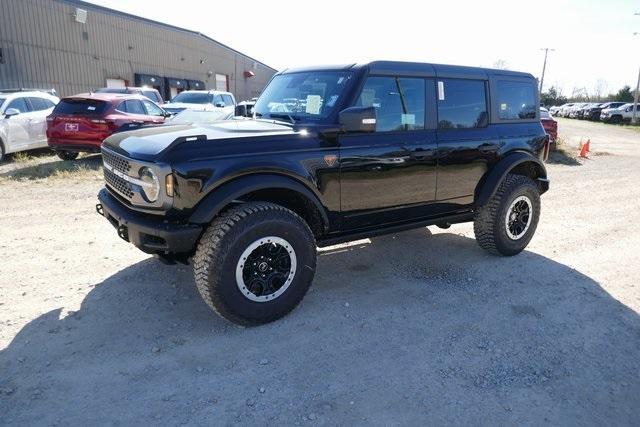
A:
(489, 185)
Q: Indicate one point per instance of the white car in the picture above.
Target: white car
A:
(23, 120)
(202, 100)
(624, 113)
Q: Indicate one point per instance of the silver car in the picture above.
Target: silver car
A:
(23, 120)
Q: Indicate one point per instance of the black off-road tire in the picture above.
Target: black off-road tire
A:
(67, 155)
(490, 221)
(221, 247)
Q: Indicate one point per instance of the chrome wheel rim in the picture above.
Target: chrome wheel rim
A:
(518, 218)
(266, 269)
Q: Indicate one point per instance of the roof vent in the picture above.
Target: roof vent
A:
(80, 15)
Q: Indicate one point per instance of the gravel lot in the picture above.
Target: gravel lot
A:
(417, 327)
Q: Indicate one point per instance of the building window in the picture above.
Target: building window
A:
(222, 82)
(116, 83)
(399, 102)
(516, 100)
(462, 104)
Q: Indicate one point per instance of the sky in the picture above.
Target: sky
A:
(595, 48)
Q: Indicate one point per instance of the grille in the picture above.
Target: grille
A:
(116, 162)
(120, 185)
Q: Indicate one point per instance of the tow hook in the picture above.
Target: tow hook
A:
(99, 209)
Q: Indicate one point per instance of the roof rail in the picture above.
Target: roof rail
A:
(51, 91)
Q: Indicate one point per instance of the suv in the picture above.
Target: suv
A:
(332, 154)
(149, 92)
(623, 113)
(202, 100)
(23, 116)
(81, 122)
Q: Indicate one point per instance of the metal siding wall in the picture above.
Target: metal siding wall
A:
(44, 47)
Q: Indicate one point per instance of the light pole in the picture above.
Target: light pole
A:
(544, 65)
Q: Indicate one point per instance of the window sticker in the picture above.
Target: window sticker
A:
(408, 119)
(503, 106)
(441, 91)
(91, 108)
(313, 104)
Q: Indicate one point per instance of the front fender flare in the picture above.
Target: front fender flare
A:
(220, 197)
(488, 186)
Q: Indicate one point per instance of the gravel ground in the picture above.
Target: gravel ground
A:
(414, 328)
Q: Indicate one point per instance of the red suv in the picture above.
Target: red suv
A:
(80, 123)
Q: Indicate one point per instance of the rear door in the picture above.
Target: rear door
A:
(390, 175)
(466, 144)
(40, 109)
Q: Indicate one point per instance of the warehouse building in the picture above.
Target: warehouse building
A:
(74, 46)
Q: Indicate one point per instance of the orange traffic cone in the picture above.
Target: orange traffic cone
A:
(584, 149)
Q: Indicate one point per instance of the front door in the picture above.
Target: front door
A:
(390, 175)
(18, 126)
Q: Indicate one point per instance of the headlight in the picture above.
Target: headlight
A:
(150, 184)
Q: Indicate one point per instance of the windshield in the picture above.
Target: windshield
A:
(193, 98)
(307, 96)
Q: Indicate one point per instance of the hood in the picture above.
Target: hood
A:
(148, 143)
(186, 106)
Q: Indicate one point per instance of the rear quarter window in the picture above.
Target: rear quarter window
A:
(89, 107)
(516, 100)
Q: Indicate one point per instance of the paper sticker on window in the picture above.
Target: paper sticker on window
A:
(408, 119)
(91, 108)
(503, 106)
(313, 104)
(441, 91)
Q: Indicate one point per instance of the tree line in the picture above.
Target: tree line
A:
(554, 96)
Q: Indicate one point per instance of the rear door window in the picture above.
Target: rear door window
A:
(151, 95)
(89, 107)
(40, 104)
(19, 104)
(132, 106)
(462, 104)
(399, 102)
(516, 100)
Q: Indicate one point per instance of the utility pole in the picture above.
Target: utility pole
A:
(544, 66)
(634, 117)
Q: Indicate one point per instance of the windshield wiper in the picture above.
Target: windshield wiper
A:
(291, 118)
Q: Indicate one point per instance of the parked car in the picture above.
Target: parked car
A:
(623, 113)
(550, 126)
(23, 122)
(333, 154)
(149, 92)
(564, 109)
(555, 109)
(594, 113)
(245, 108)
(80, 123)
(198, 117)
(203, 100)
(573, 110)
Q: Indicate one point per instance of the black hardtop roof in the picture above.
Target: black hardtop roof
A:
(419, 69)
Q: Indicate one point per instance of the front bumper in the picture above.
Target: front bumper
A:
(150, 234)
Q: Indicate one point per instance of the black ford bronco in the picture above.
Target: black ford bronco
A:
(331, 154)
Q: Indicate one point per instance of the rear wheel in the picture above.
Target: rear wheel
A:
(255, 263)
(67, 155)
(2, 153)
(506, 224)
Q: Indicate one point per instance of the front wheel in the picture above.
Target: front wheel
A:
(67, 155)
(506, 224)
(255, 263)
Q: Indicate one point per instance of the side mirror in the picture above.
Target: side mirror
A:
(11, 112)
(220, 104)
(166, 114)
(358, 119)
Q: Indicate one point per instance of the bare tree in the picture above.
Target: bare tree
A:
(500, 64)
